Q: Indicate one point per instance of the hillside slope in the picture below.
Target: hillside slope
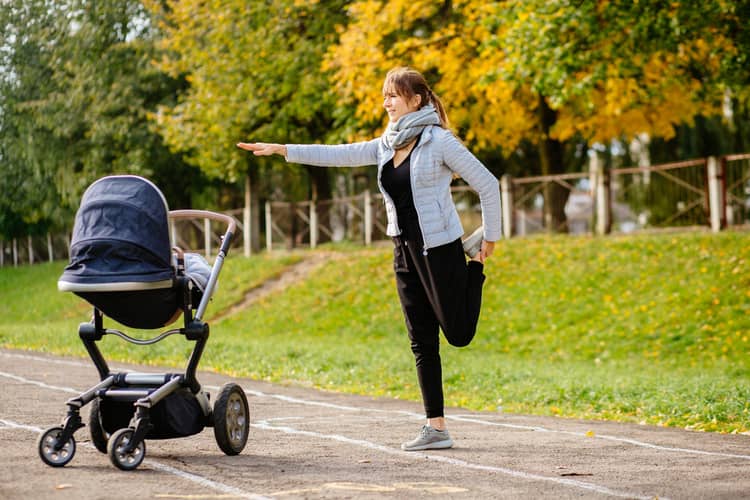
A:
(647, 328)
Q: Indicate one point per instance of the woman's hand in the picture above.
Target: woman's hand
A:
(487, 248)
(262, 148)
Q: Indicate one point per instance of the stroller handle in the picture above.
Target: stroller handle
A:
(219, 262)
(205, 214)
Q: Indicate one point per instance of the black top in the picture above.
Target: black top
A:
(397, 183)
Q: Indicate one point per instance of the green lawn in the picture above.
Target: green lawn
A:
(647, 328)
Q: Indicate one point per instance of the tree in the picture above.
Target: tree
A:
(30, 199)
(77, 87)
(254, 74)
(544, 72)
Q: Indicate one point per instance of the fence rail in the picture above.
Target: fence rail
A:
(708, 192)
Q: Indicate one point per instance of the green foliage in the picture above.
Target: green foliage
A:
(254, 74)
(76, 89)
(648, 328)
(26, 152)
(565, 49)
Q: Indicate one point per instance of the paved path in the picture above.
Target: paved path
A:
(312, 444)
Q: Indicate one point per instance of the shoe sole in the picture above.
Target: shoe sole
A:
(473, 243)
(438, 445)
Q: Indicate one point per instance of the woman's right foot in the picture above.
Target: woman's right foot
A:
(429, 438)
(473, 243)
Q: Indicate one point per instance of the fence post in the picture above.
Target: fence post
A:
(246, 221)
(602, 196)
(15, 252)
(50, 251)
(313, 224)
(31, 249)
(207, 236)
(368, 217)
(714, 194)
(269, 227)
(506, 200)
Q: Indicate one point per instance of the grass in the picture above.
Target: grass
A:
(647, 328)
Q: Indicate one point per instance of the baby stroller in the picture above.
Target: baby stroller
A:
(122, 263)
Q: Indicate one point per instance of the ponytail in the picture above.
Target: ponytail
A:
(435, 100)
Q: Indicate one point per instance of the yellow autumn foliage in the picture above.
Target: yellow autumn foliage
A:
(466, 58)
(484, 109)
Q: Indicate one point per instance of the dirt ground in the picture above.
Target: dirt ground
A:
(311, 444)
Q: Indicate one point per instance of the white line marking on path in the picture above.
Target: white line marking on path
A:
(367, 444)
(634, 442)
(409, 414)
(202, 481)
(39, 384)
(266, 425)
(462, 418)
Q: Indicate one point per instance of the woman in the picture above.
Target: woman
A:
(417, 157)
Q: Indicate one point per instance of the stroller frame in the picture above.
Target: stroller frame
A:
(126, 446)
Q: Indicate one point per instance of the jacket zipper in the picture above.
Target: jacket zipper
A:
(413, 190)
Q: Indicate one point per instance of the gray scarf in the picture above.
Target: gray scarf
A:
(399, 134)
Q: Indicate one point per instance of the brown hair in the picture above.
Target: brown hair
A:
(409, 82)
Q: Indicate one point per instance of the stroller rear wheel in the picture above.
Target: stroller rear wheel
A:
(50, 450)
(117, 450)
(231, 419)
(98, 435)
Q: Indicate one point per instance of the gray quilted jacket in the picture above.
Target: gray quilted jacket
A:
(436, 158)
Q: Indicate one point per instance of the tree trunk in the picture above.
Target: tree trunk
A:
(256, 217)
(552, 163)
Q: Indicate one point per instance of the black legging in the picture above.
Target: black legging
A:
(437, 290)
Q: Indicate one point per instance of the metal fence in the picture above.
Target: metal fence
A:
(671, 195)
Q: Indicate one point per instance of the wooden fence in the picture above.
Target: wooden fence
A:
(712, 193)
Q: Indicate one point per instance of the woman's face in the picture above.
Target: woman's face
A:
(397, 105)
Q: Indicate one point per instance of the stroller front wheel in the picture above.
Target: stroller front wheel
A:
(117, 450)
(50, 450)
(231, 419)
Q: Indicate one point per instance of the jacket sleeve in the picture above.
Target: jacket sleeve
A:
(341, 155)
(460, 160)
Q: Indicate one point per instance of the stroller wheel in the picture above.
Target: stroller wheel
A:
(231, 420)
(116, 448)
(98, 435)
(56, 457)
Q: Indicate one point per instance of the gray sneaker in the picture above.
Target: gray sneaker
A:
(473, 242)
(429, 438)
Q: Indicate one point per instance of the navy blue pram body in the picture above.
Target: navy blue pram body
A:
(120, 253)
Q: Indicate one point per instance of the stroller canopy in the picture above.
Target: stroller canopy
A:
(120, 238)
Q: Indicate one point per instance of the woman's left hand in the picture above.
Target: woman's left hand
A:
(488, 247)
(263, 148)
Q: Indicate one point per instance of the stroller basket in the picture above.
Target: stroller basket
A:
(122, 263)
